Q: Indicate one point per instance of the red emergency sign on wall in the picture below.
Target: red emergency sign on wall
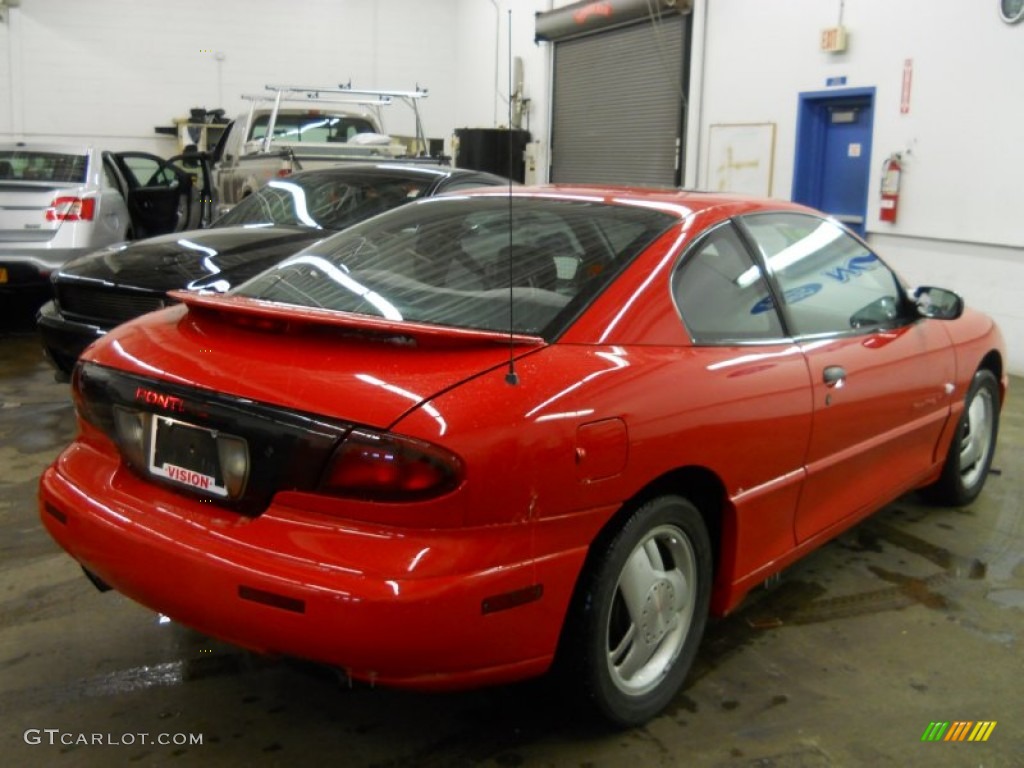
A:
(908, 75)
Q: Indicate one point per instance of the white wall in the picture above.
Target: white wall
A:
(960, 223)
(112, 70)
(483, 54)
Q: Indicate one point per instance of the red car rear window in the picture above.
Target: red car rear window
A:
(456, 262)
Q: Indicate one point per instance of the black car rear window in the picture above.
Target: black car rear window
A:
(324, 200)
(461, 262)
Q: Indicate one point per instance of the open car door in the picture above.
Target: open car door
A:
(198, 167)
(164, 195)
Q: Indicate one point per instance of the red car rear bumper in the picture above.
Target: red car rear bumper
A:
(408, 607)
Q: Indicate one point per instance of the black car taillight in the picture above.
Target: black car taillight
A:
(385, 467)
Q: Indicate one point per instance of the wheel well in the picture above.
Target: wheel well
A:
(993, 361)
(699, 485)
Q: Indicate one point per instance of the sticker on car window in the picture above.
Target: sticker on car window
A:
(793, 295)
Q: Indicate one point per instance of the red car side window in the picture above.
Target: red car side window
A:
(722, 294)
(830, 282)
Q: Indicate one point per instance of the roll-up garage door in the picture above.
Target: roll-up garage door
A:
(618, 103)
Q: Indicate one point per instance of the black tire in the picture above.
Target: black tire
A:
(640, 611)
(970, 452)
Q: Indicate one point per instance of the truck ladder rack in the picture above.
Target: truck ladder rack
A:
(342, 94)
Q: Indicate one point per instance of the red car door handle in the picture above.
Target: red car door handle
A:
(834, 376)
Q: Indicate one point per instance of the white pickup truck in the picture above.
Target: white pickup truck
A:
(294, 128)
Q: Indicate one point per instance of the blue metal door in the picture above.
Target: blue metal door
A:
(833, 153)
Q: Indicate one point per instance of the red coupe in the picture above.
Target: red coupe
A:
(475, 434)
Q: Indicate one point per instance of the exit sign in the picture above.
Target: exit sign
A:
(833, 39)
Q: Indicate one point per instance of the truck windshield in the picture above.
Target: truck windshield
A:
(490, 263)
(312, 127)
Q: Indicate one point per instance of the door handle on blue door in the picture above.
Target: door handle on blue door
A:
(834, 376)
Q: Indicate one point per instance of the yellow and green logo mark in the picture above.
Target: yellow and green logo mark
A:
(959, 730)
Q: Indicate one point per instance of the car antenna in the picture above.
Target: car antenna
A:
(511, 377)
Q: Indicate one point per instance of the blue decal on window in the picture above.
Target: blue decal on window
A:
(867, 261)
(854, 268)
(793, 295)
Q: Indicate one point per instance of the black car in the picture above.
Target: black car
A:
(94, 293)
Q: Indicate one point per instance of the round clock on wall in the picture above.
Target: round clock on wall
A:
(1012, 11)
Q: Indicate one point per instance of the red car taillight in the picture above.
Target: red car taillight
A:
(71, 209)
(82, 407)
(385, 467)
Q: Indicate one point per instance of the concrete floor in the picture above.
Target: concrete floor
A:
(914, 616)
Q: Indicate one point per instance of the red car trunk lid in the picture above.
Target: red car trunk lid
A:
(374, 371)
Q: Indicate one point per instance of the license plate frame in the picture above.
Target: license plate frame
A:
(186, 455)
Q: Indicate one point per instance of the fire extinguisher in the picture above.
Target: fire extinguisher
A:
(891, 171)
